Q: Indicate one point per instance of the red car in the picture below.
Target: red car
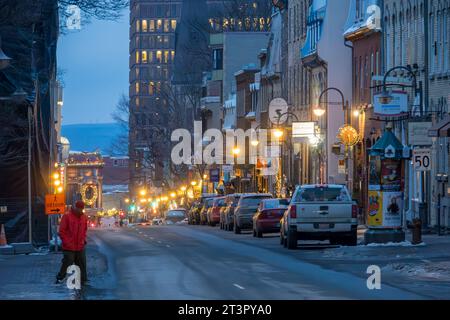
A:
(267, 218)
(214, 212)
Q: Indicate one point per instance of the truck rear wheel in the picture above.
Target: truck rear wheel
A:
(291, 240)
(237, 230)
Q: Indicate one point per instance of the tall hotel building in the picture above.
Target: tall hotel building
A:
(152, 51)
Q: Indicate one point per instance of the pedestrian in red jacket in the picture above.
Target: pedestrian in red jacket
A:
(72, 230)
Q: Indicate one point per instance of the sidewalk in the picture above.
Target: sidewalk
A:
(33, 276)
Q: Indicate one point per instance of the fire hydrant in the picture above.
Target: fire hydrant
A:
(417, 231)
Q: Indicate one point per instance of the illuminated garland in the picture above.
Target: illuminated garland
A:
(89, 201)
(348, 136)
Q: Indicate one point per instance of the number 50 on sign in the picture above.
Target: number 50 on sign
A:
(422, 159)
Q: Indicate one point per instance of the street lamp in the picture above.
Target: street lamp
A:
(278, 133)
(319, 111)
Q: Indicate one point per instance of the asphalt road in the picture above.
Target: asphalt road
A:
(198, 262)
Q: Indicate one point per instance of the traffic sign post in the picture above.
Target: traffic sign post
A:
(55, 204)
(422, 159)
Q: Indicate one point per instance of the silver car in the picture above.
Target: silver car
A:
(247, 206)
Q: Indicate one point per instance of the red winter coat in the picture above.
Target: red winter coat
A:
(72, 231)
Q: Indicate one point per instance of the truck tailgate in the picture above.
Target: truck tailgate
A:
(324, 211)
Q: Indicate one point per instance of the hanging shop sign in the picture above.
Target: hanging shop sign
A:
(396, 104)
(214, 175)
(303, 129)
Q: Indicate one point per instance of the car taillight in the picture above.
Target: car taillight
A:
(354, 211)
(293, 212)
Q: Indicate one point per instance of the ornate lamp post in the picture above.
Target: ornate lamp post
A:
(348, 136)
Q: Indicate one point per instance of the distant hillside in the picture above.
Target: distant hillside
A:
(91, 137)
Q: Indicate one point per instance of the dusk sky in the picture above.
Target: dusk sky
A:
(95, 62)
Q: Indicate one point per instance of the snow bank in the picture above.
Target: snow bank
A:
(395, 244)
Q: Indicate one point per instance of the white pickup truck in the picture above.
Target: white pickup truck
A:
(320, 212)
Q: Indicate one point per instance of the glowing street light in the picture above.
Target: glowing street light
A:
(56, 176)
(193, 183)
(319, 112)
(356, 113)
(57, 183)
(254, 143)
(278, 133)
(143, 192)
(127, 200)
(236, 151)
(183, 188)
(60, 189)
(173, 195)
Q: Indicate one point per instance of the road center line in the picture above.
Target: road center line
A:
(238, 286)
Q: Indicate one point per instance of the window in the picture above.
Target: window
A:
(144, 26)
(137, 56)
(144, 57)
(394, 40)
(151, 57)
(137, 87)
(322, 194)
(159, 25)
(138, 29)
(137, 72)
(151, 88)
(152, 26)
(159, 56)
(432, 44)
(166, 56)
(137, 101)
(173, 55)
(217, 59)
(166, 26)
(446, 40)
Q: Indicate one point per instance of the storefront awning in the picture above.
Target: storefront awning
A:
(441, 129)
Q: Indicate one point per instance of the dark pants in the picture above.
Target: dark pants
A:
(73, 257)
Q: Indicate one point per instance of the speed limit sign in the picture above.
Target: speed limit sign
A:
(422, 159)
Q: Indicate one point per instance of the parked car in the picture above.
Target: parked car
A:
(157, 221)
(227, 215)
(194, 213)
(267, 218)
(174, 216)
(208, 203)
(247, 206)
(320, 212)
(213, 213)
